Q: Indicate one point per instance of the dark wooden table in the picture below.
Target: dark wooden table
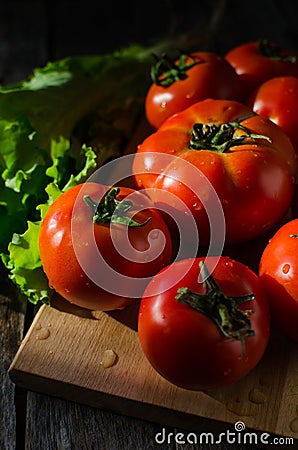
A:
(31, 33)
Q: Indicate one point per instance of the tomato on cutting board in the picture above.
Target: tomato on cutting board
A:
(278, 272)
(203, 329)
(99, 245)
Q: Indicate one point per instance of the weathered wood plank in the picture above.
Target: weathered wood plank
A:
(66, 425)
(11, 332)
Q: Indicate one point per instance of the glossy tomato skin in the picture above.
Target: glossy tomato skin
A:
(278, 272)
(210, 77)
(254, 68)
(69, 242)
(184, 345)
(254, 181)
(277, 99)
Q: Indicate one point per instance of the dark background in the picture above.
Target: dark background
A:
(33, 32)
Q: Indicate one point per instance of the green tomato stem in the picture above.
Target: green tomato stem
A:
(221, 137)
(111, 210)
(220, 308)
(273, 51)
(165, 71)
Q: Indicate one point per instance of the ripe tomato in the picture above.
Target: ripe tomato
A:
(204, 335)
(247, 159)
(277, 99)
(278, 272)
(94, 253)
(256, 62)
(181, 83)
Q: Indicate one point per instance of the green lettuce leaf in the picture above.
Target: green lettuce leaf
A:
(55, 129)
(39, 117)
(23, 259)
(25, 266)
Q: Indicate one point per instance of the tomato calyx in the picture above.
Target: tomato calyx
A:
(273, 51)
(222, 309)
(111, 210)
(294, 235)
(220, 137)
(165, 71)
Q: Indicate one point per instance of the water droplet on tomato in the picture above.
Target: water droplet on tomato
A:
(154, 234)
(229, 263)
(197, 206)
(286, 268)
(190, 94)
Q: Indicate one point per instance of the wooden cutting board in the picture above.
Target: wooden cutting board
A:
(67, 350)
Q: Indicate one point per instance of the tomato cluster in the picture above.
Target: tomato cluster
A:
(224, 144)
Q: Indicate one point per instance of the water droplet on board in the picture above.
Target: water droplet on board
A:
(257, 396)
(294, 425)
(43, 334)
(109, 358)
(240, 407)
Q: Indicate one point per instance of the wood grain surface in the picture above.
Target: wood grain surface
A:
(63, 354)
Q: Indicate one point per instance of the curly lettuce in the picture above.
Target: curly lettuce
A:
(55, 129)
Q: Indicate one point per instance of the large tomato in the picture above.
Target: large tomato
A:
(277, 99)
(97, 244)
(191, 78)
(256, 62)
(204, 335)
(247, 159)
(279, 274)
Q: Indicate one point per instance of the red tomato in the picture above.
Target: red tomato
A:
(204, 335)
(90, 253)
(277, 99)
(279, 274)
(247, 159)
(177, 85)
(256, 62)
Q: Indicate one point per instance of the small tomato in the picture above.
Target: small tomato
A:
(277, 99)
(278, 272)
